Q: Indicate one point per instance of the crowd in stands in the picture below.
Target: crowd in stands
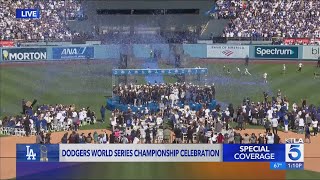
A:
(51, 25)
(46, 118)
(272, 18)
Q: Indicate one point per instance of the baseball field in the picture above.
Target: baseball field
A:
(87, 83)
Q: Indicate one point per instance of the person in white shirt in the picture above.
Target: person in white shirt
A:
(300, 67)
(269, 114)
(59, 115)
(214, 138)
(159, 120)
(284, 69)
(270, 138)
(136, 140)
(301, 125)
(82, 116)
(246, 72)
(265, 75)
(294, 107)
(274, 123)
(315, 127)
(104, 138)
(238, 69)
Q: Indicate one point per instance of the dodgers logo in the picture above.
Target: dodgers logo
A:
(294, 153)
(30, 154)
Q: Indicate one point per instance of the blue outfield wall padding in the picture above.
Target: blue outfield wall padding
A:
(195, 50)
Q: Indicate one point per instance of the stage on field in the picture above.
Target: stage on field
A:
(114, 102)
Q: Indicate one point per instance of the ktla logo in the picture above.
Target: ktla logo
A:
(294, 153)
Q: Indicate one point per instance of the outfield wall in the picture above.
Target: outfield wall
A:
(113, 51)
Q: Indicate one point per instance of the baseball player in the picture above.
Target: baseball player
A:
(284, 69)
(246, 72)
(265, 75)
(300, 67)
(238, 69)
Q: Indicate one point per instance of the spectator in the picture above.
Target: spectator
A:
(270, 138)
(148, 135)
(51, 26)
(293, 19)
(72, 138)
(301, 125)
(89, 138)
(240, 121)
(103, 113)
(307, 133)
(178, 135)
(40, 138)
(274, 123)
(166, 135)
(136, 140)
(95, 137)
(27, 125)
(105, 138)
(267, 126)
(125, 140)
(220, 138)
(276, 139)
(253, 139)
(237, 138)
(48, 138)
(261, 139)
(64, 139)
(246, 139)
(190, 134)
(315, 127)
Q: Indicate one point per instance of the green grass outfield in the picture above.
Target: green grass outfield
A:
(85, 85)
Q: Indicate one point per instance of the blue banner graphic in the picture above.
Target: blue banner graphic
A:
(276, 52)
(73, 53)
(37, 152)
(120, 72)
(28, 13)
(254, 153)
(295, 166)
(278, 166)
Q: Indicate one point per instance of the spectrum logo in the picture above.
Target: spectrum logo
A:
(227, 52)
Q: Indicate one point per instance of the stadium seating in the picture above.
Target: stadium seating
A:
(51, 26)
(273, 18)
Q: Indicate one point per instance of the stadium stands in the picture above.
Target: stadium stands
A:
(272, 18)
(51, 26)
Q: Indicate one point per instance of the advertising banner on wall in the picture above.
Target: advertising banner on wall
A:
(311, 52)
(276, 52)
(227, 51)
(6, 43)
(24, 54)
(73, 53)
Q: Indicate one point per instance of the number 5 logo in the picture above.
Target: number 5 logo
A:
(294, 153)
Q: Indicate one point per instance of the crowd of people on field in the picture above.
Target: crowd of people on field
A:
(272, 18)
(47, 118)
(51, 25)
(217, 125)
(164, 93)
